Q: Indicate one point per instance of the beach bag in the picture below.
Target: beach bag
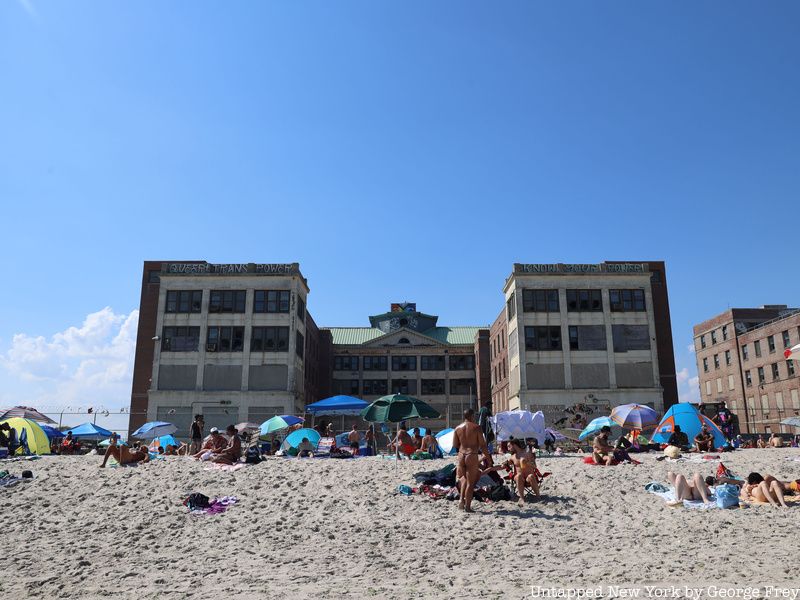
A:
(672, 451)
(195, 501)
(727, 495)
(252, 457)
(498, 493)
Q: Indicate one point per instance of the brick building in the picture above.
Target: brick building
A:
(740, 361)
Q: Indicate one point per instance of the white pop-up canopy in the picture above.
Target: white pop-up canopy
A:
(518, 424)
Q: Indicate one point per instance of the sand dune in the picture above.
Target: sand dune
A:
(335, 528)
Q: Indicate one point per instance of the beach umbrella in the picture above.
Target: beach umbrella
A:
(51, 432)
(596, 425)
(90, 431)
(445, 440)
(30, 434)
(792, 353)
(398, 407)
(278, 423)
(107, 442)
(294, 439)
(634, 416)
(154, 429)
(25, 412)
(791, 421)
(242, 427)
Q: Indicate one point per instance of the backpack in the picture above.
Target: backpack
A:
(252, 456)
(195, 501)
(727, 495)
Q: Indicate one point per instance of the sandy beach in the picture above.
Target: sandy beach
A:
(336, 528)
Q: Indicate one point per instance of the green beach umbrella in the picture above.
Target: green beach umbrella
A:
(398, 407)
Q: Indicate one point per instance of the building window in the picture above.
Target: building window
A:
(346, 363)
(299, 344)
(705, 365)
(779, 402)
(432, 363)
(433, 387)
(748, 379)
(776, 374)
(375, 387)
(301, 309)
(225, 339)
(186, 301)
(543, 338)
(462, 386)
(404, 363)
(462, 363)
(771, 343)
(584, 301)
(269, 339)
(540, 300)
(757, 348)
(761, 377)
(153, 276)
(227, 301)
(404, 386)
(708, 387)
(587, 337)
(345, 386)
(403, 341)
(626, 300)
(713, 337)
(702, 341)
(716, 362)
(511, 309)
(180, 339)
(790, 367)
(724, 332)
(731, 382)
(728, 357)
(272, 301)
(786, 341)
(374, 363)
(745, 355)
(719, 385)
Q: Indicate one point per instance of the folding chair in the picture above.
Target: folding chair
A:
(512, 483)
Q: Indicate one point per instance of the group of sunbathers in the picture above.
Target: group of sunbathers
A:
(417, 444)
(755, 487)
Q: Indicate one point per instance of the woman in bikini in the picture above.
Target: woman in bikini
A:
(525, 464)
(768, 489)
(125, 456)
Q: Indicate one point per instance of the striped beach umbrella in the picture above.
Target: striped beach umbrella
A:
(634, 416)
(25, 412)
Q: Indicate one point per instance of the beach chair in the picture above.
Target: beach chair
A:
(326, 446)
(512, 474)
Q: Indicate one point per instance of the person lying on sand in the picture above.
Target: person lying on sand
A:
(768, 489)
(525, 463)
(602, 450)
(232, 452)
(215, 442)
(126, 456)
(469, 440)
(685, 489)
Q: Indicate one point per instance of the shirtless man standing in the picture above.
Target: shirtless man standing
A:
(469, 440)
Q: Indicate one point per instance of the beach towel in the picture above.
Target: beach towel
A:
(216, 506)
(668, 494)
(221, 467)
(589, 460)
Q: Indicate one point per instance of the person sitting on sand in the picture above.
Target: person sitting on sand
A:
(602, 450)
(417, 439)
(125, 456)
(768, 489)
(231, 453)
(429, 444)
(760, 443)
(70, 445)
(403, 442)
(678, 439)
(704, 441)
(685, 489)
(469, 440)
(215, 442)
(775, 441)
(525, 463)
(305, 448)
(354, 438)
(5, 429)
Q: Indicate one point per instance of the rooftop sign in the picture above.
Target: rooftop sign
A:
(230, 269)
(560, 268)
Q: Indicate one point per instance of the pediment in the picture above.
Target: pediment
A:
(396, 339)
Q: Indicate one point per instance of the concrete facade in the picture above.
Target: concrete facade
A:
(592, 355)
(740, 362)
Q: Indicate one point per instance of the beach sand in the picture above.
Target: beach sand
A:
(324, 528)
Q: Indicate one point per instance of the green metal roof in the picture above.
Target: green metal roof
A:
(453, 335)
(355, 336)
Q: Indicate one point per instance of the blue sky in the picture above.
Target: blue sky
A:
(397, 150)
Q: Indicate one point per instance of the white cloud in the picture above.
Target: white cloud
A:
(688, 386)
(690, 348)
(83, 366)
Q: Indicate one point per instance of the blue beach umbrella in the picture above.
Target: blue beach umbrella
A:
(596, 425)
(52, 432)
(154, 429)
(294, 439)
(278, 423)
